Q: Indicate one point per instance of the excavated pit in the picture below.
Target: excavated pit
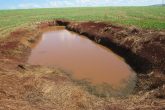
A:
(85, 59)
(38, 87)
(142, 49)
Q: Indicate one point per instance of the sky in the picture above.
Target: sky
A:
(26, 4)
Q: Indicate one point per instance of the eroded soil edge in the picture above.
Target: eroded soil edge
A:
(143, 50)
(34, 87)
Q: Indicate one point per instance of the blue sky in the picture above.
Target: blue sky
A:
(25, 4)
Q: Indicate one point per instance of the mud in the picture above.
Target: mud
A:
(86, 60)
(143, 50)
(38, 88)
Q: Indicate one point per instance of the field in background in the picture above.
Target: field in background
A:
(144, 17)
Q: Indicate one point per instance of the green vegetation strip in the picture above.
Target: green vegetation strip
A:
(144, 17)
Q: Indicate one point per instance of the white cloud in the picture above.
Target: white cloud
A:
(77, 3)
(80, 3)
(28, 5)
(111, 2)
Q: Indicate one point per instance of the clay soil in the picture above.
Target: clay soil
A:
(27, 87)
(143, 50)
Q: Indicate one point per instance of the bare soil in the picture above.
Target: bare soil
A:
(143, 50)
(26, 87)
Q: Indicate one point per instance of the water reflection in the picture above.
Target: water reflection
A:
(81, 56)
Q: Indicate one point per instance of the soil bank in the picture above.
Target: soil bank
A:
(36, 87)
(143, 50)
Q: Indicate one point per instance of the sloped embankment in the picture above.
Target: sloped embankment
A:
(25, 87)
(143, 50)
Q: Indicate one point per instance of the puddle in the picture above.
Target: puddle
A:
(82, 57)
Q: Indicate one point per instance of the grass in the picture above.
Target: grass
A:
(144, 17)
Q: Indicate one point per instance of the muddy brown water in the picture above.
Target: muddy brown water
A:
(80, 56)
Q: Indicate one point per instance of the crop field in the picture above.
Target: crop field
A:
(144, 17)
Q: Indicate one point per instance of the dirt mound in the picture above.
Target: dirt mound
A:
(62, 22)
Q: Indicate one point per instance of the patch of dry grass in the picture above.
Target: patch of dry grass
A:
(43, 88)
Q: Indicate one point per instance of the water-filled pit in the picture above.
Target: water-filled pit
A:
(82, 57)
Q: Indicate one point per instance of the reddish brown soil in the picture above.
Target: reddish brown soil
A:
(148, 45)
(43, 25)
(143, 50)
(38, 88)
(11, 49)
(16, 48)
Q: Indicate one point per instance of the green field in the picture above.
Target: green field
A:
(144, 17)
